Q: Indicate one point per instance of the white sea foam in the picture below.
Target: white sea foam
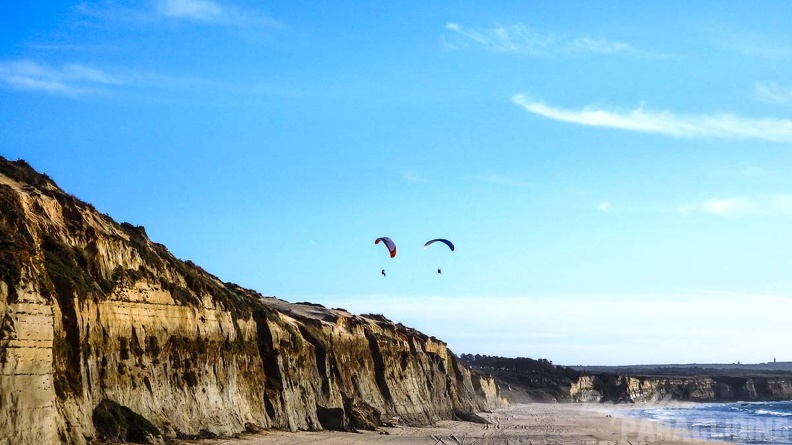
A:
(766, 412)
(746, 423)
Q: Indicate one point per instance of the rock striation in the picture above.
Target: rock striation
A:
(616, 388)
(97, 320)
(524, 380)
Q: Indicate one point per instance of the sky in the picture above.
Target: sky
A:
(612, 174)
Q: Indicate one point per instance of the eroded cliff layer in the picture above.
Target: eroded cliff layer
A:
(93, 311)
(615, 388)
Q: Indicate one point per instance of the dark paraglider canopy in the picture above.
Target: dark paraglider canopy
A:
(440, 240)
(391, 248)
(444, 241)
(389, 244)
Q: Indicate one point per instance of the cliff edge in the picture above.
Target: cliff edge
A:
(97, 322)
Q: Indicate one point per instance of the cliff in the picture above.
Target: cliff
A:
(644, 389)
(525, 380)
(99, 323)
(595, 388)
(694, 389)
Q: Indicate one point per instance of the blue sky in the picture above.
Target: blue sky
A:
(613, 174)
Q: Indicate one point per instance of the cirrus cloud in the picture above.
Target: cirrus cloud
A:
(768, 205)
(521, 39)
(605, 207)
(68, 80)
(771, 92)
(206, 12)
(210, 11)
(723, 126)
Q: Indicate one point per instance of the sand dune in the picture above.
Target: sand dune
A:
(532, 424)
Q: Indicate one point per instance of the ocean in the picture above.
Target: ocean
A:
(744, 423)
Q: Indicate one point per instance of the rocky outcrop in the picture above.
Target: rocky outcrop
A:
(583, 390)
(93, 312)
(611, 387)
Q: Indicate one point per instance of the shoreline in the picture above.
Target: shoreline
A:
(530, 424)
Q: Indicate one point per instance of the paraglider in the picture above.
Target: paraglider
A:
(444, 241)
(440, 240)
(391, 248)
(388, 243)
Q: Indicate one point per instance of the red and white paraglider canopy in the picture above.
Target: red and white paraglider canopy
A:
(388, 243)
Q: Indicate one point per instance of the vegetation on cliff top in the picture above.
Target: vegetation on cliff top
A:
(73, 268)
(526, 379)
(12, 250)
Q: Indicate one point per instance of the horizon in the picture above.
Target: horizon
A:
(612, 176)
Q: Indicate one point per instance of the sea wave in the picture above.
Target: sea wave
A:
(745, 423)
(766, 412)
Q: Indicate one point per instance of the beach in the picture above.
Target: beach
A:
(532, 424)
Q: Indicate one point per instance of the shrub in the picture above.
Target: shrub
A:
(116, 422)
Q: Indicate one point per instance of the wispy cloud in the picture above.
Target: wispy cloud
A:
(159, 81)
(605, 207)
(770, 205)
(521, 39)
(770, 92)
(209, 12)
(68, 80)
(724, 126)
(75, 80)
(70, 47)
(604, 46)
(198, 10)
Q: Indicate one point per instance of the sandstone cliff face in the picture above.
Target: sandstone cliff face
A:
(598, 388)
(584, 390)
(92, 310)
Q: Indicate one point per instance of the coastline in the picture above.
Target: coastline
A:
(531, 424)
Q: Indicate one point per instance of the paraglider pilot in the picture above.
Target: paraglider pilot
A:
(383, 273)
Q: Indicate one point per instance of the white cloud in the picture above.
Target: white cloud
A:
(75, 80)
(770, 205)
(605, 207)
(770, 92)
(728, 206)
(724, 126)
(200, 10)
(68, 80)
(587, 44)
(522, 39)
(516, 38)
(210, 11)
(111, 12)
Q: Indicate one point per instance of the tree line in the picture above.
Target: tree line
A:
(520, 364)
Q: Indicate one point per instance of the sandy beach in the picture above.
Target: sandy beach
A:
(532, 424)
